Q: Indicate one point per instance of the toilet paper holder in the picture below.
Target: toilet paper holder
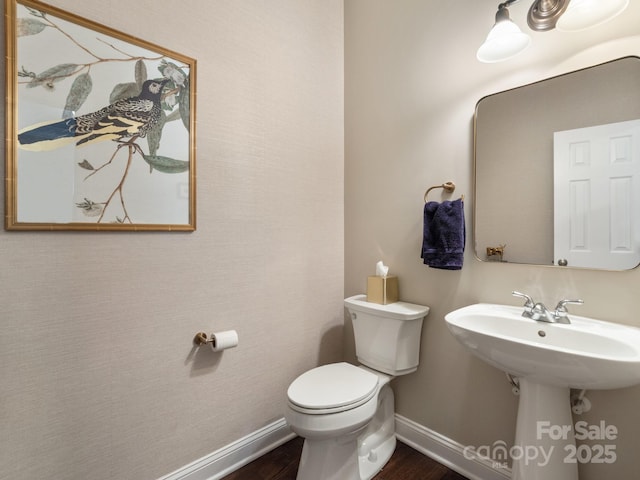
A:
(218, 340)
(202, 339)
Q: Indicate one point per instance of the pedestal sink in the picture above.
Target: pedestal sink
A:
(548, 359)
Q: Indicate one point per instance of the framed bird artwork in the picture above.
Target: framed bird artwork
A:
(100, 127)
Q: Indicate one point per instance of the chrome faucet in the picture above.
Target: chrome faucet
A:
(560, 315)
(539, 312)
(528, 306)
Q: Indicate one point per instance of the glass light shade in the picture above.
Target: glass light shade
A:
(582, 14)
(505, 40)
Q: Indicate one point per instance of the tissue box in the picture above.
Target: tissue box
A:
(382, 290)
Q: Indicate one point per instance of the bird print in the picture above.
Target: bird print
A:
(128, 117)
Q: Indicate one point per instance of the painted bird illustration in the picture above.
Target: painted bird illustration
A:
(123, 118)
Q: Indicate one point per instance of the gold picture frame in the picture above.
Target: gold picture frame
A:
(100, 127)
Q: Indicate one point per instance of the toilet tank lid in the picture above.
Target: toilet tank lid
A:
(397, 310)
(332, 386)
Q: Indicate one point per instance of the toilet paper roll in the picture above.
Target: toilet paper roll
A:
(224, 340)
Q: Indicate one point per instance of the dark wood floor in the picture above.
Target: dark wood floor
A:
(405, 464)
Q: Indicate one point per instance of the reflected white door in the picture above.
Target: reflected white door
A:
(597, 196)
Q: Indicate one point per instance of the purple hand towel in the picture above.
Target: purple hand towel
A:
(444, 234)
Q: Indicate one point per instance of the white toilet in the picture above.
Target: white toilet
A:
(346, 413)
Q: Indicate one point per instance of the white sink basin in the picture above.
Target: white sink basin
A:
(586, 353)
(548, 359)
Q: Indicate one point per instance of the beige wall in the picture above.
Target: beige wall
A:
(98, 379)
(411, 86)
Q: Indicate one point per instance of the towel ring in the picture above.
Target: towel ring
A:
(448, 186)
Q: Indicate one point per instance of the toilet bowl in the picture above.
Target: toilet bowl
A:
(345, 412)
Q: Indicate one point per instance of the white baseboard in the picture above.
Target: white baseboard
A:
(432, 444)
(447, 452)
(235, 455)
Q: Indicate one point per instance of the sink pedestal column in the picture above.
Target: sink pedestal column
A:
(543, 430)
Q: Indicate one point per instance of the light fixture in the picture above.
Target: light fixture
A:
(582, 14)
(505, 40)
(544, 14)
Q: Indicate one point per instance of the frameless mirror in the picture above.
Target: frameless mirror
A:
(557, 170)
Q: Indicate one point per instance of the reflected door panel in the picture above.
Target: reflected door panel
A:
(597, 196)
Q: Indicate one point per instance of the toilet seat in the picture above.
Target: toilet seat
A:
(332, 388)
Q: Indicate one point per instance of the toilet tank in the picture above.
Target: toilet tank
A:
(387, 336)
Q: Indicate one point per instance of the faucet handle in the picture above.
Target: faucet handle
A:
(561, 307)
(530, 303)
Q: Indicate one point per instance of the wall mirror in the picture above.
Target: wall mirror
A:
(557, 170)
